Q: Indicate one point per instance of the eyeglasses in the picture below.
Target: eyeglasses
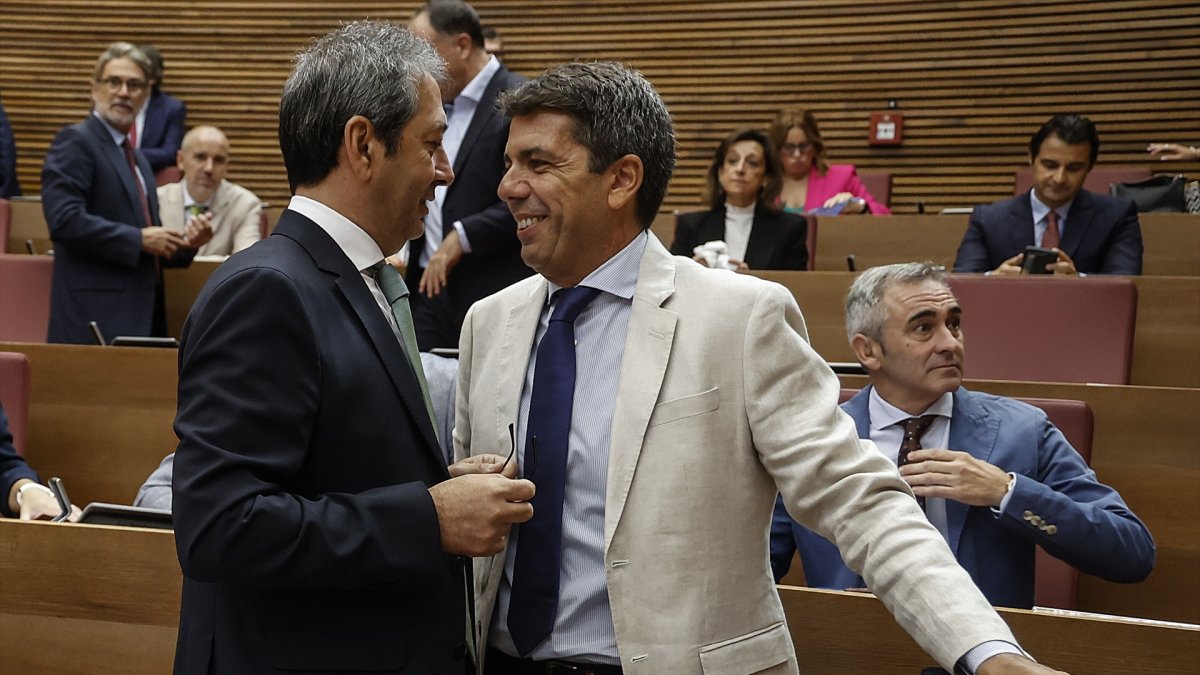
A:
(114, 84)
(795, 148)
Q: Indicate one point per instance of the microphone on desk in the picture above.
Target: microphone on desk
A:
(850, 263)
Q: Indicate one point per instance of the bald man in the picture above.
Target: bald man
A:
(204, 196)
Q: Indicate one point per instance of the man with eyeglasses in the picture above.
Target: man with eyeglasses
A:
(99, 201)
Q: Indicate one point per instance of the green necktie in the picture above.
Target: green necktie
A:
(396, 292)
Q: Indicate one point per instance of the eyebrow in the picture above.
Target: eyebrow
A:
(924, 314)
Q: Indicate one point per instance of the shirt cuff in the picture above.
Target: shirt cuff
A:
(462, 236)
(974, 658)
(1012, 486)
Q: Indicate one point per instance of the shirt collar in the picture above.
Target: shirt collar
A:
(884, 414)
(478, 84)
(1040, 210)
(117, 137)
(618, 275)
(358, 246)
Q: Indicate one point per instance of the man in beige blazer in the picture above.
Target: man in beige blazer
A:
(233, 211)
(695, 397)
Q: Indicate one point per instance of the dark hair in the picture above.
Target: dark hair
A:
(789, 118)
(451, 17)
(156, 65)
(1070, 129)
(714, 194)
(616, 112)
(367, 68)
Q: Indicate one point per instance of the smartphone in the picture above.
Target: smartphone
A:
(1036, 258)
(64, 502)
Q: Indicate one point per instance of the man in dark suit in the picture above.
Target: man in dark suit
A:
(317, 526)
(21, 494)
(470, 248)
(1093, 234)
(163, 120)
(109, 246)
(995, 477)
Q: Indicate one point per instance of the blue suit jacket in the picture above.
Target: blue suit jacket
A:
(495, 258)
(12, 466)
(306, 532)
(95, 217)
(162, 131)
(776, 238)
(1102, 235)
(1097, 533)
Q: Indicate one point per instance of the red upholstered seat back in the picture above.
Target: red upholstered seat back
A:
(167, 175)
(5, 223)
(1047, 329)
(1097, 180)
(14, 395)
(879, 184)
(25, 297)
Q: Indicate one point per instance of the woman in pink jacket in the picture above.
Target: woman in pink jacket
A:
(809, 182)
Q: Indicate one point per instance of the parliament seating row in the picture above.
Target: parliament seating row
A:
(106, 600)
(100, 417)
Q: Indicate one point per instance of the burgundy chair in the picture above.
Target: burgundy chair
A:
(14, 395)
(5, 224)
(1041, 328)
(25, 297)
(167, 175)
(879, 184)
(810, 235)
(1097, 180)
(1056, 583)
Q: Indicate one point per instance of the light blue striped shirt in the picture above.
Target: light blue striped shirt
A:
(1040, 211)
(583, 626)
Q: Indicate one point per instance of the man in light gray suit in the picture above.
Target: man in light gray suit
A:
(684, 398)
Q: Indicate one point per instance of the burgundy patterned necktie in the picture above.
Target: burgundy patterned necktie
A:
(914, 428)
(133, 169)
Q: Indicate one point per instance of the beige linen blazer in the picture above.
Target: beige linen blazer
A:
(721, 401)
(236, 213)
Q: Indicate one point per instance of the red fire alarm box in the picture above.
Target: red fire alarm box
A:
(887, 128)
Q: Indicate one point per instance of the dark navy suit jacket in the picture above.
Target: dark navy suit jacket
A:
(495, 258)
(1102, 235)
(95, 217)
(305, 529)
(776, 237)
(1096, 531)
(162, 131)
(12, 466)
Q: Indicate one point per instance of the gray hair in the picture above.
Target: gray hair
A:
(368, 68)
(616, 111)
(864, 302)
(124, 50)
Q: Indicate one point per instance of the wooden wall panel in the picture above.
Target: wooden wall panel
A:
(974, 78)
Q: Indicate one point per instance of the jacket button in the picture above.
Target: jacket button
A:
(1051, 529)
(1028, 515)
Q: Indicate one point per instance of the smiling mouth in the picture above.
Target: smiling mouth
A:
(527, 222)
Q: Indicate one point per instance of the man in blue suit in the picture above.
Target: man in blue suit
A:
(1093, 234)
(996, 478)
(163, 119)
(109, 245)
(318, 527)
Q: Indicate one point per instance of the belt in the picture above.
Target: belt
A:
(499, 663)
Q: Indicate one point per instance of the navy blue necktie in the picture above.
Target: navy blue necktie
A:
(534, 600)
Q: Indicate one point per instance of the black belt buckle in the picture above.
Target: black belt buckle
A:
(563, 668)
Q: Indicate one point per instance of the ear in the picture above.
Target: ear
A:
(627, 174)
(359, 146)
(463, 42)
(867, 351)
(179, 159)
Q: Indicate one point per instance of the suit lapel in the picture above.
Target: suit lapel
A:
(485, 112)
(974, 431)
(520, 328)
(764, 235)
(859, 410)
(643, 366)
(120, 167)
(1022, 235)
(1078, 220)
(350, 284)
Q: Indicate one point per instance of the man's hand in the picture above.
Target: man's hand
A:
(433, 280)
(38, 505)
(1012, 266)
(161, 241)
(950, 474)
(486, 463)
(1014, 664)
(199, 230)
(1064, 265)
(476, 511)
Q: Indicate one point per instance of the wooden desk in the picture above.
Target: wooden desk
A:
(1146, 446)
(836, 632)
(182, 285)
(1164, 343)
(87, 599)
(28, 223)
(1172, 244)
(99, 417)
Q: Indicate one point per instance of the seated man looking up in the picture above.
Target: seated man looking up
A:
(1092, 233)
(993, 475)
(204, 196)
